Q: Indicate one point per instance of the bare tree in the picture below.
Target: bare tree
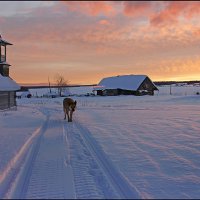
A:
(61, 84)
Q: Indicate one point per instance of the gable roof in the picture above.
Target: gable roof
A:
(7, 84)
(126, 82)
(4, 42)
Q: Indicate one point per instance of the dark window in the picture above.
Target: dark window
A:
(4, 70)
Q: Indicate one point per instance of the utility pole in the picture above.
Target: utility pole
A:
(49, 85)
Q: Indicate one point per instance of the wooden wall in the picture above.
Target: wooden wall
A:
(7, 100)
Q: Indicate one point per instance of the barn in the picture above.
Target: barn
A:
(125, 85)
(8, 86)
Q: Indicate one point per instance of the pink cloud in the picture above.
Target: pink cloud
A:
(137, 8)
(193, 10)
(172, 12)
(104, 22)
(91, 8)
(196, 32)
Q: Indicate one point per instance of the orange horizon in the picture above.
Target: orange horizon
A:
(95, 83)
(87, 41)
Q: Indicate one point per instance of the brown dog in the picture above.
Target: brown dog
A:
(69, 106)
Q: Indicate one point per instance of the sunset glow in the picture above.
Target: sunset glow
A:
(89, 40)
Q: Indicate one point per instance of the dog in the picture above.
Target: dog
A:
(69, 106)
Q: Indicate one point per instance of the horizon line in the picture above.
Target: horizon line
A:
(78, 84)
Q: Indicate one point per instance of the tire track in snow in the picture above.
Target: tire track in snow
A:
(95, 175)
(45, 173)
(119, 182)
(11, 172)
(22, 180)
(51, 175)
(81, 161)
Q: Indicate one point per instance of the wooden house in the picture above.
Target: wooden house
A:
(8, 86)
(125, 85)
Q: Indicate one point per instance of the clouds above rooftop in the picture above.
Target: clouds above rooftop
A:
(175, 11)
(91, 8)
(105, 36)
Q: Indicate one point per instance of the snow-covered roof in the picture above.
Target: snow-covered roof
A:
(4, 63)
(4, 42)
(7, 84)
(126, 82)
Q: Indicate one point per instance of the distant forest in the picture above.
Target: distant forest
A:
(158, 83)
(175, 82)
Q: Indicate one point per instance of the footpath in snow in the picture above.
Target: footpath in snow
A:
(116, 147)
(65, 161)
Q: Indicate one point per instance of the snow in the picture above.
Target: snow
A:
(127, 82)
(23, 94)
(7, 84)
(4, 41)
(116, 147)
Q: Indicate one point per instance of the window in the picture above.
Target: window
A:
(4, 70)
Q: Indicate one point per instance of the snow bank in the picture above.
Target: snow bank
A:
(15, 129)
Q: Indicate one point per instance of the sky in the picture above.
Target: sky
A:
(87, 41)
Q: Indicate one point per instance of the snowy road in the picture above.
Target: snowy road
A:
(65, 161)
(116, 147)
(93, 169)
(45, 174)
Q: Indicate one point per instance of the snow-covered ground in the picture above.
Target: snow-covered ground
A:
(116, 147)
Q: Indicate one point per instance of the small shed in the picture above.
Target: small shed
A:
(125, 85)
(8, 86)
